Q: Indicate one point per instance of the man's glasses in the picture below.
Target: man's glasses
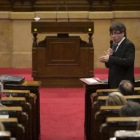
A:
(115, 33)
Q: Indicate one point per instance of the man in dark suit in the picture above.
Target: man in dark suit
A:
(120, 57)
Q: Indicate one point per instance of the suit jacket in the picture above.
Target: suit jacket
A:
(121, 64)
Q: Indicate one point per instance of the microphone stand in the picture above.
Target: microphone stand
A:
(67, 10)
(57, 9)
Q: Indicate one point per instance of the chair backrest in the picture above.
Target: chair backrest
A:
(127, 135)
(11, 124)
(16, 101)
(102, 99)
(11, 111)
(105, 92)
(118, 123)
(107, 111)
(17, 93)
(5, 135)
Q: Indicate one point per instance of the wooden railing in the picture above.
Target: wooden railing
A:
(72, 5)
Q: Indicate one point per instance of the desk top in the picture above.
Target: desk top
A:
(62, 27)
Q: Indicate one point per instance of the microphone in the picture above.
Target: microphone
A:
(113, 46)
(111, 43)
(66, 10)
(57, 9)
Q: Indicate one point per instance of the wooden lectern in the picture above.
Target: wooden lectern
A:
(64, 59)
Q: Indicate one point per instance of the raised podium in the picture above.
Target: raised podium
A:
(59, 61)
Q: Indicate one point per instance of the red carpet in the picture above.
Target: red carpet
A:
(62, 113)
(62, 118)
(62, 109)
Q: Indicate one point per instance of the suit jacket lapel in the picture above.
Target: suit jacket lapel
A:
(121, 46)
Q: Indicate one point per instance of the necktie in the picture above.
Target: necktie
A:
(114, 47)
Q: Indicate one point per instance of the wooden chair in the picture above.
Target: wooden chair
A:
(17, 130)
(16, 112)
(117, 123)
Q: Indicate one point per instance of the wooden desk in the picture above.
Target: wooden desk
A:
(89, 89)
(33, 87)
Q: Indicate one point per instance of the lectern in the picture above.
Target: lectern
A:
(62, 59)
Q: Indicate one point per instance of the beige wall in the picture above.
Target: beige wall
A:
(16, 37)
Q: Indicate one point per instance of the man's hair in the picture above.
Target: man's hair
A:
(115, 99)
(131, 109)
(118, 26)
(126, 87)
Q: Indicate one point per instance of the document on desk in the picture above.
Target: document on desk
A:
(91, 80)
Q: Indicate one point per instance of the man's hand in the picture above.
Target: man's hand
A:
(104, 58)
(110, 51)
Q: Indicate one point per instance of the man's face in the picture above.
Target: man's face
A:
(116, 36)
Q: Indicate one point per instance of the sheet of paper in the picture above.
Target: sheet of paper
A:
(4, 116)
(91, 80)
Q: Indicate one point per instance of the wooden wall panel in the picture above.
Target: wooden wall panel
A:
(71, 5)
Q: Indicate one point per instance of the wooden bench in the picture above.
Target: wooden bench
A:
(16, 129)
(102, 99)
(100, 118)
(118, 123)
(31, 98)
(127, 135)
(101, 102)
(105, 92)
(6, 135)
(16, 112)
(26, 107)
(33, 87)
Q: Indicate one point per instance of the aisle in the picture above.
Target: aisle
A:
(62, 113)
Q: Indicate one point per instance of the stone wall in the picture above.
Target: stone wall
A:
(16, 38)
